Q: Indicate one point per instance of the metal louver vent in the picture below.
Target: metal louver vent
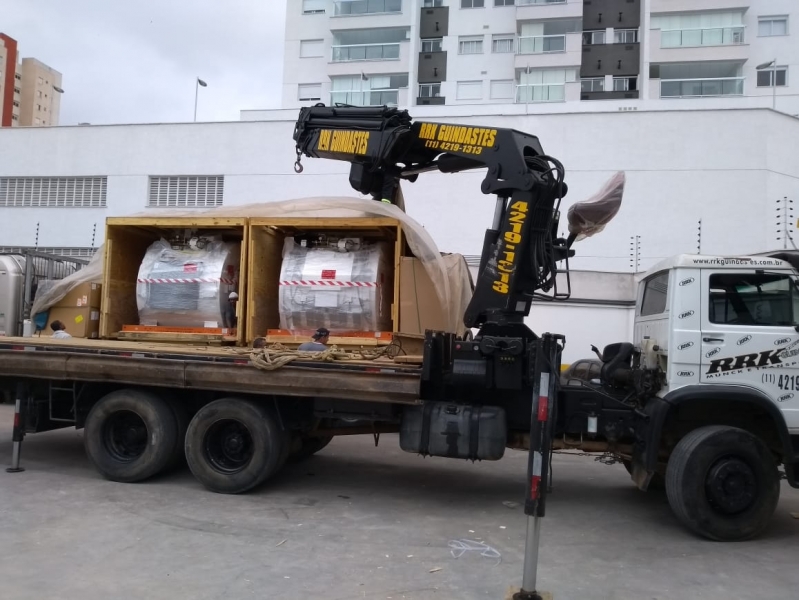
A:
(189, 191)
(53, 192)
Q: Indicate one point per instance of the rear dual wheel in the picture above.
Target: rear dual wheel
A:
(233, 445)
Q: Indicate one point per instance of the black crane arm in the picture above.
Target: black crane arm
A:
(384, 146)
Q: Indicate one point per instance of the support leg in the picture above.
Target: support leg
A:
(19, 430)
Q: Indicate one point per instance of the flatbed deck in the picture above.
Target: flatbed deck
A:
(205, 368)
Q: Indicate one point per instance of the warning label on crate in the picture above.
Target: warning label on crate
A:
(328, 273)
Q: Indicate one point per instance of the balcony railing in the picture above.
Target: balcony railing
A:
(695, 88)
(530, 2)
(540, 92)
(711, 36)
(346, 8)
(366, 52)
(541, 44)
(366, 97)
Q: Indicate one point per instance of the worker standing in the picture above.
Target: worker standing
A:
(320, 338)
(59, 330)
(230, 318)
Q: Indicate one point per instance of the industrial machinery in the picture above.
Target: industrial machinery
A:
(520, 261)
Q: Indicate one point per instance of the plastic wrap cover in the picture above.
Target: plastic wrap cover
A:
(589, 217)
(93, 273)
(320, 287)
(454, 293)
(187, 288)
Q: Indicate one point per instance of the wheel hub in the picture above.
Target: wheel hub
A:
(731, 485)
(228, 446)
(125, 436)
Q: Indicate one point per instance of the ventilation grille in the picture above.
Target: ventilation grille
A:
(53, 192)
(193, 191)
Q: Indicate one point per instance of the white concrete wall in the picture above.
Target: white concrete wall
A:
(725, 167)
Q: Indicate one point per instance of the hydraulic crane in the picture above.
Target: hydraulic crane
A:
(519, 261)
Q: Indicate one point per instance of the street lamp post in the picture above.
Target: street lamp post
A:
(773, 65)
(197, 85)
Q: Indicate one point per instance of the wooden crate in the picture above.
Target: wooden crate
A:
(266, 237)
(126, 242)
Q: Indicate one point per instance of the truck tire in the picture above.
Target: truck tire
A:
(308, 447)
(130, 435)
(233, 445)
(722, 483)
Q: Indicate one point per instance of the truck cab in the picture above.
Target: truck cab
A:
(711, 321)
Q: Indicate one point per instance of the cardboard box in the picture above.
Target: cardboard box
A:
(420, 308)
(84, 296)
(80, 322)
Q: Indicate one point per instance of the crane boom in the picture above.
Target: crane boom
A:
(384, 146)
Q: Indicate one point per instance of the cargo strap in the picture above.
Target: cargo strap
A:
(276, 356)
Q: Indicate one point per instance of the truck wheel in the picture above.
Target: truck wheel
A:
(233, 445)
(722, 483)
(130, 435)
(308, 447)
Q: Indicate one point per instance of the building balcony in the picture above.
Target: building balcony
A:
(540, 92)
(548, 51)
(431, 101)
(700, 88)
(611, 95)
(715, 43)
(681, 6)
(356, 8)
(371, 58)
(532, 10)
(356, 52)
(366, 97)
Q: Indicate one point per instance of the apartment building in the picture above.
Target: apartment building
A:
(30, 91)
(451, 52)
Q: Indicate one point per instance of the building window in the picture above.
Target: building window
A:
(592, 84)
(689, 30)
(681, 80)
(470, 45)
(38, 107)
(432, 3)
(469, 90)
(309, 92)
(429, 90)
(625, 84)
(313, 7)
(501, 89)
(17, 76)
(14, 118)
(432, 45)
(504, 2)
(502, 43)
(593, 37)
(768, 26)
(544, 85)
(765, 78)
(41, 81)
(312, 48)
(192, 191)
(53, 192)
(16, 103)
(625, 36)
(37, 121)
(472, 3)
(17, 90)
(39, 93)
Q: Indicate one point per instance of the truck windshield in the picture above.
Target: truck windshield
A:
(769, 299)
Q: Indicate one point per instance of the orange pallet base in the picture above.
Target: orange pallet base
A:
(337, 338)
(163, 329)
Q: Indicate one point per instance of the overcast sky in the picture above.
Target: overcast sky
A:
(137, 61)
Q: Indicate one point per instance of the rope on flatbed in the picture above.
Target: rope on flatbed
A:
(276, 356)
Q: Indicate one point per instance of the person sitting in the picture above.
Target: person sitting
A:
(319, 343)
(59, 330)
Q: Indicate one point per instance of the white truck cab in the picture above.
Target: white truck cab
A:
(711, 320)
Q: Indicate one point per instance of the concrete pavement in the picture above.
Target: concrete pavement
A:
(362, 522)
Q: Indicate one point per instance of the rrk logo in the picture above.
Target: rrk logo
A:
(685, 373)
(688, 281)
(686, 314)
(685, 346)
(744, 339)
